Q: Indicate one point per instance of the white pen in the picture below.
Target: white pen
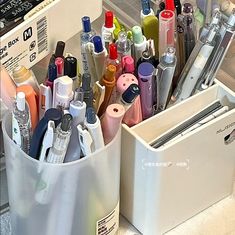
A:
(99, 56)
(200, 123)
(92, 122)
(85, 140)
(47, 140)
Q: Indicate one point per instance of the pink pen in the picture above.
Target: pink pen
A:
(128, 64)
(133, 115)
(166, 30)
(59, 62)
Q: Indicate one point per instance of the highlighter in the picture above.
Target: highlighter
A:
(166, 30)
(150, 30)
(145, 75)
(109, 82)
(30, 96)
(111, 121)
(52, 114)
(133, 115)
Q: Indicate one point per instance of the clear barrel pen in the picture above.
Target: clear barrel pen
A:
(166, 69)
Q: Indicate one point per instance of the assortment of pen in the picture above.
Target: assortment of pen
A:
(128, 76)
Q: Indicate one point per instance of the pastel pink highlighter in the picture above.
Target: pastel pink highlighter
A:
(133, 115)
(111, 121)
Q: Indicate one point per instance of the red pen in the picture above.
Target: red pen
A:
(59, 62)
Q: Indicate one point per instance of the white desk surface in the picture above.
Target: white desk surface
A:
(218, 219)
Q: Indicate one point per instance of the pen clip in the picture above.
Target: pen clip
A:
(99, 93)
(85, 140)
(47, 140)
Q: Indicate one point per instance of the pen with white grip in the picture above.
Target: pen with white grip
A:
(62, 137)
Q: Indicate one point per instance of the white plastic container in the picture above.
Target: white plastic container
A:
(80, 197)
(161, 188)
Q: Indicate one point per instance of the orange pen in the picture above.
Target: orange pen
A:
(109, 81)
(31, 99)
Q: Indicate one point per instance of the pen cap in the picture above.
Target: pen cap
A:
(70, 66)
(86, 24)
(59, 62)
(108, 19)
(145, 71)
(137, 34)
(98, 44)
(59, 51)
(21, 74)
(110, 73)
(64, 86)
(187, 8)
(128, 64)
(170, 5)
(124, 81)
(91, 117)
(53, 114)
(122, 40)
(20, 101)
(66, 122)
(167, 30)
(145, 6)
(52, 72)
(111, 121)
(86, 82)
(30, 96)
(130, 94)
(113, 54)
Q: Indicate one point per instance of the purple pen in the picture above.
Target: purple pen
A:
(145, 75)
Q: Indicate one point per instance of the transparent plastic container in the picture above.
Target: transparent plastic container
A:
(73, 198)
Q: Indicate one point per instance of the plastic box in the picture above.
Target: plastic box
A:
(161, 188)
(80, 197)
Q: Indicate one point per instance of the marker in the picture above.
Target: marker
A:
(170, 5)
(107, 29)
(92, 122)
(62, 92)
(99, 57)
(166, 30)
(111, 121)
(145, 75)
(45, 100)
(139, 42)
(146, 9)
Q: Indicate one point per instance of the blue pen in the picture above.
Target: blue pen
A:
(146, 9)
(52, 75)
(38, 134)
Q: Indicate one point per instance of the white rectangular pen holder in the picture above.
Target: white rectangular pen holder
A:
(76, 198)
(161, 188)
